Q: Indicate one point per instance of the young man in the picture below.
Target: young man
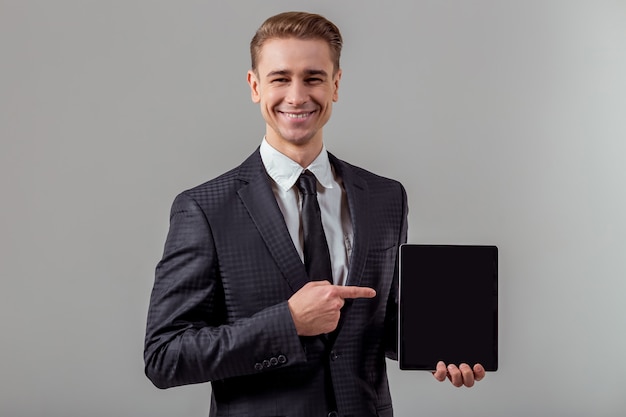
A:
(236, 299)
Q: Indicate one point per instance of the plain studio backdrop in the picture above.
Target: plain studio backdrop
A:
(505, 121)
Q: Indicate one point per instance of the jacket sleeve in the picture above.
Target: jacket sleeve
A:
(391, 317)
(188, 339)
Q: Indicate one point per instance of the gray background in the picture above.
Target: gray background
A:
(506, 122)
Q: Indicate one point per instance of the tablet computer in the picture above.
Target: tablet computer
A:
(448, 307)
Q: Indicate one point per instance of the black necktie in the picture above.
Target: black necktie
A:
(316, 253)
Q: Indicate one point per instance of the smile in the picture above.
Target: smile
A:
(296, 115)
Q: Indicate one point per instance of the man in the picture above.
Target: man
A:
(237, 300)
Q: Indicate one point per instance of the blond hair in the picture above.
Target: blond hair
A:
(299, 25)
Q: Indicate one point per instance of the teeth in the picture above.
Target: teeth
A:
(297, 115)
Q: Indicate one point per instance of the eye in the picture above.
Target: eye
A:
(279, 80)
(314, 80)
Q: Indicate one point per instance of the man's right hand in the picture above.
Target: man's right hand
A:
(315, 308)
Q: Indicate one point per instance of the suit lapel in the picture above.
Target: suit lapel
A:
(358, 195)
(257, 196)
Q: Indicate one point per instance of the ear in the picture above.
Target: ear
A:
(336, 80)
(253, 82)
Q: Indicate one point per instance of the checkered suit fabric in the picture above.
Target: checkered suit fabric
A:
(218, 310)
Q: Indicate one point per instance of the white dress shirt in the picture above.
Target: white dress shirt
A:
(330, 195)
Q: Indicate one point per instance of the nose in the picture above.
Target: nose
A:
(297, 94)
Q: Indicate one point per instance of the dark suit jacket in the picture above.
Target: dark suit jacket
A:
(219, 312)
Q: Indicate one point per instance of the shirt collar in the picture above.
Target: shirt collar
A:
(285, 171)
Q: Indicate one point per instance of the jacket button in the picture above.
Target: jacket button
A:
(333, 355)
(266, 363)
(273, 361)
(282, 359)
(258, 366)
(333, 414)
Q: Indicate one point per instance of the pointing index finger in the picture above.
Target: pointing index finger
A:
(356, 292)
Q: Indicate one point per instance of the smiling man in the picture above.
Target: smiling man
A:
(295, 81)
(279, 280)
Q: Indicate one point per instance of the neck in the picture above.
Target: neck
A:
(302, 153)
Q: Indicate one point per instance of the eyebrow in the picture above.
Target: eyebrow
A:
(307, 72)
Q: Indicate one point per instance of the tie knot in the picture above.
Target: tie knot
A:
(307, 183)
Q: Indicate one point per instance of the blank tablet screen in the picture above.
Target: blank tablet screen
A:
(448, 306)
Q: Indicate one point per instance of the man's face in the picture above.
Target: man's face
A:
(295, 87)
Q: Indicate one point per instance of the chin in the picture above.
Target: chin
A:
(298, 139)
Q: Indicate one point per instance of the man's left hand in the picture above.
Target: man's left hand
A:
(461, 375)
